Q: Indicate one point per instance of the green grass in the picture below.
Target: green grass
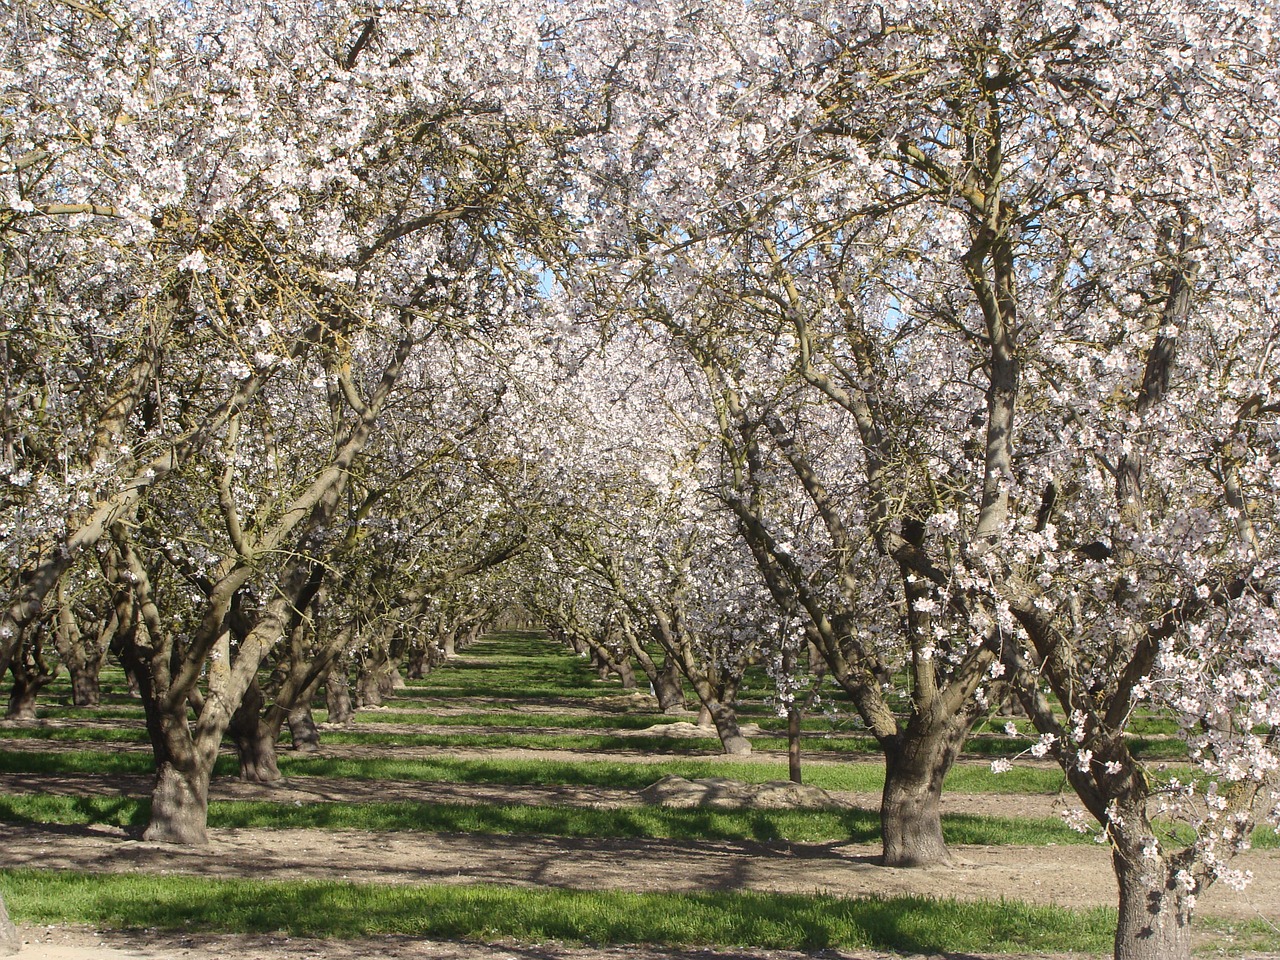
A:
(855, 776)
(634, 822)
(583, 742)
(486, 912)
(507, 717)
(79, 734)
(1239, 937)
(104, 712)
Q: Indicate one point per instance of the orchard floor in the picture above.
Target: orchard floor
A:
(1069, 875)
(1076, 876)
(74, 943)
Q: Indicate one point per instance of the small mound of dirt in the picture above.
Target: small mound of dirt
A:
(673, 791)
(682, 728)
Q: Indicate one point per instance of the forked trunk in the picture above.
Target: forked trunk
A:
(376, 677)
(179, 803)
(1155, 916)
(82, 657)
(419, 663)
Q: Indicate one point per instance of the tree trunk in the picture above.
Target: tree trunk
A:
(31, 672)
(82, 657)
(337, 698)
(377, 674)
(303, 731)
(22, 697)
(726, 722)
(910, 808)
(626, 672)
(668, 689)
(1155, 918)
(179, 804)
(793, 744)
(85, 689)
(255, 741)
(9, 941)
(602, 664)
(419, 663)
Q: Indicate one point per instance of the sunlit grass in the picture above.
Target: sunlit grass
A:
(858, 776)
(487, 912)
(632, 822)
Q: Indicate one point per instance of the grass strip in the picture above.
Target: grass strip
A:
(487, 912)
(633, 822)
(587, 742)
(863, 777)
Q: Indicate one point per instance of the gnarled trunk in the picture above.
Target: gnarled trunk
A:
(22, 697)
(31, 672)
(303, 731)
(668, 689)
(86, 690)
(81, 656)
(179, 803)
(376, 677)
(254, 739)
(916, 764)
(337, 698)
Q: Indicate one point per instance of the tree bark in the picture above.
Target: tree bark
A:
(793, 744)
(1155, 919)
(337, 698)
(916, 764)
(726, 722)
(81, 657)
(179, 803)
(303, 731)
(31, 673)
(374, 680)
(254, 739)
(85, 688)
(668, 689)
(22, 696)
(9, 941)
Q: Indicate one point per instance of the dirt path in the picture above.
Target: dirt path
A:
(1070, 876)
(325, 789)
(75, 943)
